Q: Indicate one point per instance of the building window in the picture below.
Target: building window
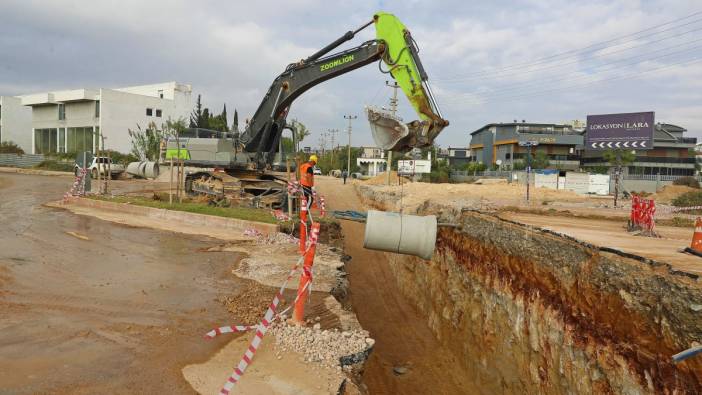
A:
(45, 141)
(79, 139)
(97, 109)
(160, 94)
(61, 112)
(149, 112)
(158, 113)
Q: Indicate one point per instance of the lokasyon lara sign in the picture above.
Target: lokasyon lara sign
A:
(624, 131)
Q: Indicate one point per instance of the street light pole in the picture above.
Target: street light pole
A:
(528, 145)
(348, 153)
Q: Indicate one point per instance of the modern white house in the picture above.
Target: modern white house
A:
(70, 120)
(371, 161)
(15, 122)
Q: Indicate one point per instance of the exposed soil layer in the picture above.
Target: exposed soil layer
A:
(407, 357)
(528, 311)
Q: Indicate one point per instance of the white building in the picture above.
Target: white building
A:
(69, 120)
(371, 161)
(15, 122)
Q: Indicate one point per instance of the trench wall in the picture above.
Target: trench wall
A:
(527, 311)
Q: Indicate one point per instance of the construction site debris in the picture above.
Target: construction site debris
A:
(323, 346)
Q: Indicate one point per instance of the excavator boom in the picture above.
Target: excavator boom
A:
(402, 58)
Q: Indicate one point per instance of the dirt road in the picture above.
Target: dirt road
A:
(403, 338)
(613, 234)
(119, 312)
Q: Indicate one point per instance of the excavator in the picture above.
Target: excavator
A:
(244, 161)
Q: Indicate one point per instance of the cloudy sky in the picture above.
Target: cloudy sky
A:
(488, 61)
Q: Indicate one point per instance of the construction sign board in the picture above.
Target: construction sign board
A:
(620, 131)
(421, 166)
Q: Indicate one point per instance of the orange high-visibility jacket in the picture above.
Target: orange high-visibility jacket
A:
(306, 177)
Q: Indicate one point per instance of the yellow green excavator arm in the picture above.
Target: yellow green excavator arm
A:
(401, 57)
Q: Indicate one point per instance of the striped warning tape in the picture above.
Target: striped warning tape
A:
(78, 187)
(263, 326)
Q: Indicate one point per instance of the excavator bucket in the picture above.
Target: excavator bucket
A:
(402, 58)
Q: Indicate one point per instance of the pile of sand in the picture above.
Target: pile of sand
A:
(380, 179)
(670, 192)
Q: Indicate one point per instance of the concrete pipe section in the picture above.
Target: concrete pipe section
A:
(143, 169)
(400, 233)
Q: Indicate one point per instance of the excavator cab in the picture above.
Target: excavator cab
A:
(401, 56)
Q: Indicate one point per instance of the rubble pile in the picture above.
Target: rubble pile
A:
(322, 346)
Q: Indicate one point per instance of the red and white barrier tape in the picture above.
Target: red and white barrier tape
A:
(78, 187)
(262, 327)
(280, 215)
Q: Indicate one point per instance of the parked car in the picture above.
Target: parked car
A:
(101, 164)
(317, 171)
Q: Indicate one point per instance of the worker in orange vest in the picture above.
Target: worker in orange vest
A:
(307, 178)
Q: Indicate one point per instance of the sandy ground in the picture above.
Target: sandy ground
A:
(411, 194)
(613, 234)
(402, 337)
(145, 222)
(267, 375)
(606, 232)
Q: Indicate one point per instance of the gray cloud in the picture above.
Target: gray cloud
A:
(231, 51)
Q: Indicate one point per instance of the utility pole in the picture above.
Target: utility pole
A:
(393, 108)
(348, 153)
(332, 133)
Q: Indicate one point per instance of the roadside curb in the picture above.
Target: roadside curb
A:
(180, 217)
(19, 170)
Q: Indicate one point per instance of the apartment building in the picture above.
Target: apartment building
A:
(70, 120)
(15, 122)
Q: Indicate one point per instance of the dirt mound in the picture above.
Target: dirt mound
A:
(380, 179)
(670, 192)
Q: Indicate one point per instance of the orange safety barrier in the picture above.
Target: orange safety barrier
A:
(306, 276)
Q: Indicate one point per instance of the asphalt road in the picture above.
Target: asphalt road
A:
(120, 312)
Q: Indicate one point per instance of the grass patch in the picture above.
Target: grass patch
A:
(245, 213)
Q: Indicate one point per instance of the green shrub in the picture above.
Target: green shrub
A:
(8, 147)
(689, 181)
(688, 199)
(51, 164)
(120, 158)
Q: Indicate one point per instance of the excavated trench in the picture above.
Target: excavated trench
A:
(529, 311)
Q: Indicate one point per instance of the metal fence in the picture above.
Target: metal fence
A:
(14, 160)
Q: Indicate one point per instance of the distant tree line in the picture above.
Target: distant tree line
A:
(203, 118)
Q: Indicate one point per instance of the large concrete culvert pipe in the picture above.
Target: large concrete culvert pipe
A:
(143, 169)
(400, 233)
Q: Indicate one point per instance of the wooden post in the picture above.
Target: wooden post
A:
(290, 209)
(170, 185)
(181, 185)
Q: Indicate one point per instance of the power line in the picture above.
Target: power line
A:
(551, 80)
(576, 61)
(625, 76)
(583, 49)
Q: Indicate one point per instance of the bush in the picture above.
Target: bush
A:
(51, 164)
(688, 181)
(688, 199)
(8, 147)
(120, 158)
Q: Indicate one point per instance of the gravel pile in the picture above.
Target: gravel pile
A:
(317, 345)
